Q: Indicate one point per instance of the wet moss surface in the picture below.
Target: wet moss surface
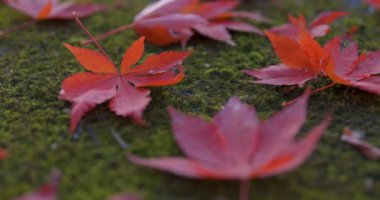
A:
(34, 122)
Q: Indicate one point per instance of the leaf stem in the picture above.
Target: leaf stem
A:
(323, 88)
(93, 39)
(244, 190)
(109, 33)
(312, 92)
(362, 77)
(17, 27)
(119, 139)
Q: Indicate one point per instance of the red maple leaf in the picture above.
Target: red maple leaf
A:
(318, 28)
(235, 145)
(175, 21)
(53, 9)
(354, 138)
(3, 154)
(125, 88)
(352, 69)
(41, 10)
(303, 59)
(48, 191)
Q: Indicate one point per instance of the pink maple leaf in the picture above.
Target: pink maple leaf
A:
(318, 28)
(236, 145)
(53, 9)
(40, 10)
(175, 21)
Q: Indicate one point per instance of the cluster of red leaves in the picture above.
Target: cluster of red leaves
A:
(354, 138)
(125, 88)
(318, 28)
(374, 3)
(338, 60)
(175, 21)
(53, 9)
(236, 145)
(49, 191)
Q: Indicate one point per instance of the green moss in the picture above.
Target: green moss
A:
(34, 123)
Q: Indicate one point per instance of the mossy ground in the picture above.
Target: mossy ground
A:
(34, 123)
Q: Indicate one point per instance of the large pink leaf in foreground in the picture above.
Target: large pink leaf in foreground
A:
(236, 145)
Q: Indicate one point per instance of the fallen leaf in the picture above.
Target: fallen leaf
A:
(53, 9)
(175, 21)
(354, 138)
(318, 28)
(236, 145)
(3, 154)
(353, 69)
(40, 10)
(339, 60)
(303, 63)
(125, 88)
(48, 191)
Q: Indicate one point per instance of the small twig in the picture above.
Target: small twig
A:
(91, 36)
(107, 34)
(312, 92)
(119, 139)
(78, 131)
(323, 88)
